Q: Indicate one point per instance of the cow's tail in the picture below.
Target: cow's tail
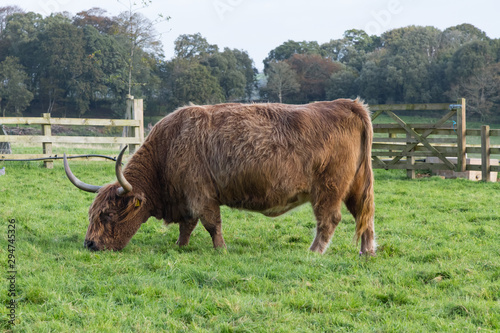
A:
(365, 207)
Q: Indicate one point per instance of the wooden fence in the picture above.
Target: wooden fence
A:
(400, 145)
(397, 145)
(46, 139)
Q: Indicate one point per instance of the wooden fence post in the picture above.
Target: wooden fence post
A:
(139, 115)
(485, 153)
(410, 160)
(137, 131)
(47, 146)
(129, 105)
(392, 136)
(5, 147)
(461, 142)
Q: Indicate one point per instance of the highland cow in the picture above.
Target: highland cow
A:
(267, 158)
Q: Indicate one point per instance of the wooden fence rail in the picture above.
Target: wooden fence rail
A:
(47, 139)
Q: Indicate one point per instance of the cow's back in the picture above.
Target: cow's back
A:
(260, 156)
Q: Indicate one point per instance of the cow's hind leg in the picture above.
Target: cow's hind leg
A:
(368, 245)
(185, 230)
(211, 220)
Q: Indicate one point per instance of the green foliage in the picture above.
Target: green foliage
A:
(412, 52)
(193, 47)
(62, 63)
(470, 58)
(14, 94)
(217, 76)
(92, 60)
(406, 65)
(343, 84)
(138, 34)
(289, 48)
(106, 68)
(192, 82)
(436, 269)
(224, 66)
(282, 81)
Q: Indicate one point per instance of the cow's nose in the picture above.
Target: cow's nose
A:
(90, 245)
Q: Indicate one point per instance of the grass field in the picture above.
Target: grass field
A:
(437, 267)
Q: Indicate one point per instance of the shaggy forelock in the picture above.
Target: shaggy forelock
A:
(105, 200)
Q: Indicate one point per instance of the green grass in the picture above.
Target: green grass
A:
(437, 268)
(83, 149)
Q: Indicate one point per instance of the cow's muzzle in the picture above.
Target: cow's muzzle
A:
(91, 245)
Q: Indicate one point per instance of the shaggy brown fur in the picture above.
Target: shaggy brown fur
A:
(267, 158)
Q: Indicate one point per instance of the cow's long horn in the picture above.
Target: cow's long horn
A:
(77, 182)
(126, 187)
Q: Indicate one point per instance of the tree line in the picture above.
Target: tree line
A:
(406, 65)
(88, 63)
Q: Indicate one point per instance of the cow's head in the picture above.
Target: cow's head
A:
(116, 213)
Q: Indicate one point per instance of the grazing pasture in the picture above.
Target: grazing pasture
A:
(437, 267)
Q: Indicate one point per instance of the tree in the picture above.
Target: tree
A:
(468, 59)
(13, 88)
(462, 34)
(235, 72)
(107, 65)
(371, 82)
(5, 12)
(193, 46)
(288, 49)
(233, 68)
(282, 81)
(407, 63)
(188, 81)
(361, 41)
(313, 72)
(343, 84)
(21, 29)
(97, 18)
(473, 73)
(245, 65)
(224, 67)
(63, 64)
(481, 89)
(352, 48)
(140, 35)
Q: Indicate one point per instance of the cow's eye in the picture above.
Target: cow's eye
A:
(106, 216)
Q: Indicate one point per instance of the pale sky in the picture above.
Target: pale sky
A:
(259, 26)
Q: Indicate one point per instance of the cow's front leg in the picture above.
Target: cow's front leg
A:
(327, 221)
(211, 220)
(185, 230)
